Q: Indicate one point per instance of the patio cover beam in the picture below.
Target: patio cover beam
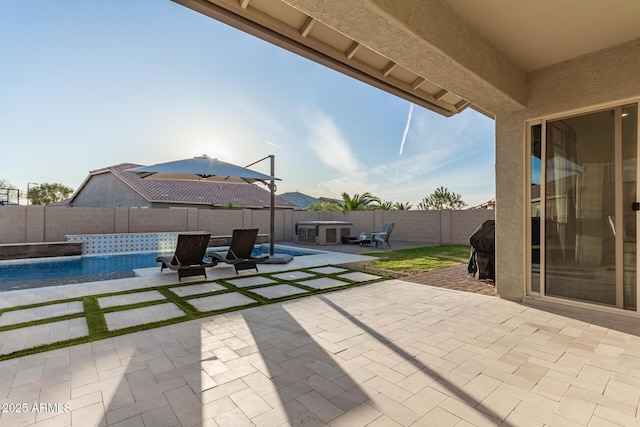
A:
(300, 40)
(431, 39)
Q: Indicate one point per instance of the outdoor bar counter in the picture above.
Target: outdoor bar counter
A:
(322, 232)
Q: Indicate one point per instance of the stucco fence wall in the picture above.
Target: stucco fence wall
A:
(31, 224)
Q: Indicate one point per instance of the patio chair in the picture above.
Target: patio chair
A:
(239, 254)
(188, 259)
(383, 235)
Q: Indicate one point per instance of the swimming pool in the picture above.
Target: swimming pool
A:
(43, 273)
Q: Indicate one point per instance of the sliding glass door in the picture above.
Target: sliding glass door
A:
(582, 193)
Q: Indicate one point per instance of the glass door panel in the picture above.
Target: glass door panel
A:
(580, 249)
(536, 206)
(629, 190)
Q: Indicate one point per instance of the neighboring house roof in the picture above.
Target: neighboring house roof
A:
(191, 191)
(301, 200)
(64, 202)
(491, 204)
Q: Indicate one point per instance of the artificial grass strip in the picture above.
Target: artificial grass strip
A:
(183, 304)
(97, 325)
(95, 318)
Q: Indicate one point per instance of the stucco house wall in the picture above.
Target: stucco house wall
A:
(105, 190)
(585, 83)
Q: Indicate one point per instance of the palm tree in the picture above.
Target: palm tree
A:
(383, 206)
(358, 202)
(399, 206)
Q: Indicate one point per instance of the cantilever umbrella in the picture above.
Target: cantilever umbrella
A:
(206, 168)
(203, 167)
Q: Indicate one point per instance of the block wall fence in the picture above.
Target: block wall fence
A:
(32, 224)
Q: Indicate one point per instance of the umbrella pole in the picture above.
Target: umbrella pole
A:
(272, 187)
(273, 210)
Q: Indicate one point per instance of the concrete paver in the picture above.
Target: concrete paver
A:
(293, 275)
(324, 283)
(37, 313)
(222, 301)
(202, 288)
(133, 298)
(358, 276)
(250, 281)
(32, 336)
(140, 316)
(278, 291)
(328, 270)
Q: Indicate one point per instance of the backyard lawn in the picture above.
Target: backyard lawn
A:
(418, 260)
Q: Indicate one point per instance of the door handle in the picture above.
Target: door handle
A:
(635, 206)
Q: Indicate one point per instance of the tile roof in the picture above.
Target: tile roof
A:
(194, 192)
(301, 200)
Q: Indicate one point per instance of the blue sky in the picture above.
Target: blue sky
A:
(89, 84)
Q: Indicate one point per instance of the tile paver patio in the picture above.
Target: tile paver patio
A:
(390, 353)
(400, 352)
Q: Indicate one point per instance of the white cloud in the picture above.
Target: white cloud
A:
(263, 119)
(328, 144)
(354, 183)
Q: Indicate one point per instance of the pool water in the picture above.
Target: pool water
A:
(76, 270)
(57, 272)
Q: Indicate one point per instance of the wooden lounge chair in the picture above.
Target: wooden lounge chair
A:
(239, 254)
(383, 235)
(188, 259)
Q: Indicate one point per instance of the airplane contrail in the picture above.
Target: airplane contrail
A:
(271, 143)
(404, 136)
(406, 129)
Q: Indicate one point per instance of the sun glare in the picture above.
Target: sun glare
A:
(213, 150)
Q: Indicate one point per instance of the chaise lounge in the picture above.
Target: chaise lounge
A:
(188, 259)
(239, 254)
